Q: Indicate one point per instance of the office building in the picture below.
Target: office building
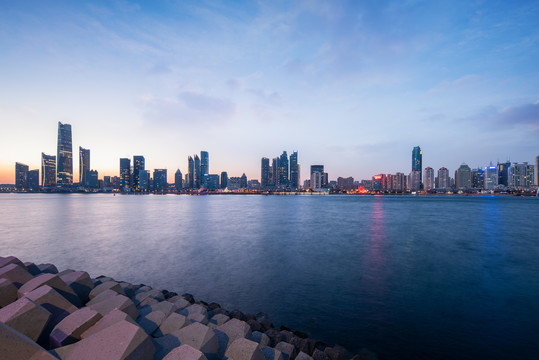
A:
(264, 173)
(443, 179)
(283, 171)
(414, 180)
(139, 164)
(379, 182)
(48, 170)
(33, 180)
(224, 180)
(211, 181)
(399, 182)
(144, 180)
(429, 178)
(91, 179)
(84, 164)
(491, 177)
(275, 171)
(536, 175)
(521, 176)
(503, 173)
(345, 183)
(160, 180)
(125, 174)
(191, 172)
(463, 177)
(253, 184)
(478, 178)
(178, 180)
(21, 176)
(317, 177)
(64, 165)
(243, 181)
(204, 163)
(198, 177)
(294, 171)
(417, 163)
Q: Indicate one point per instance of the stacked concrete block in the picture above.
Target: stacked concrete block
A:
(27, 317)
(55, 282)
(70, 329)
(185, 352)
(243, 349)
(119, 302)
(17, 274)
(80, 282)
(8, 292)
(108, 285)
(16, 346)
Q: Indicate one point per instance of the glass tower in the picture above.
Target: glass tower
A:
(48, 170)
(21, 176)
(64, 166)
(294, 170)
(84, 164)
(191, 172)
(264, 173)
(125, 173)
(138, 166)
(204, 163)
(198, 177)
(417, 162)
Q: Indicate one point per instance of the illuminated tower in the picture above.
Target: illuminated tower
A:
(417, 162)
(64, 166)
(48, 170)
(125, 174)
(84, 164)
(138, 166)
(294, 170)
(204, 163)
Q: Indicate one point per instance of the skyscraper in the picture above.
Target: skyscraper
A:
(139, 165)
(160, 180)
(33, 180)
(478, 178)
(283, 170)
(64, 166)
(125, 174)
(521, 176)
(294, 171)
(536, 171)
(317, 176)
(84, 164)
(178, 180)
(463, 177)
(264, 173)
(503, 173)
(491, 177)
(144, 180)
(443, 178)
(429, 178)
(48, 170)
(21, 176)
(204, 163)
(224, 180)
(275, 171)
(198, 178)
(417, 162)
(191, 172)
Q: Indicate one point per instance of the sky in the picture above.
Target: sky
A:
(352, 85)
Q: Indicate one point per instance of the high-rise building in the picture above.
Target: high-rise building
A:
(491, 177)
(48, 170)
(415, 180)
(345, 183)
(443, 179)
(417, 162)
(463, 177)
(536, 171)
(283, 170)
(125, 174)
(204, 163)
(139, 164)
(224, 180)
(243, 181)
(317, 177)
(379, 182)
(191, 172)
(521, 176)
(275, 171)
(503, 173)
(399, 182)
(264, 173)
(429, 178)
(478, 178)
(211, 181)
(160, 180)
(178, 180)
(33, 180)
(92, 179)
(198, 177)
(294, 171)
(21, 176)
(144, 180)
(84, 164)
(64, 165)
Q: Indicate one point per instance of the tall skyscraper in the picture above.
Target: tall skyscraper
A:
(178, 180)
(264, 173)
(415, 180)
(503, 173)
(275, 163)
(443, 178)
(64, 165)
(294, 171)
(160, 180)
(139, 164)
(224, 180)
(478, 178)
(21, 176)
(417, 163)
(198, 177)
(191, 172)
(125, 174)
(317, 176)
(33, 180)
(84, 164)
(491, 177)
(283, 170)
(144, 180)
(429, 178)
(463, 177)
(536, 175)
(204, 163)
(48, 170)
(521, 176)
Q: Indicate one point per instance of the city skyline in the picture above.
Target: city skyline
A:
(351, 85)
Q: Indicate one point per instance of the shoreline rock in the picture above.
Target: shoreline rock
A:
(68, 315)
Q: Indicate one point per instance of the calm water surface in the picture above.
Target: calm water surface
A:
(407, 277)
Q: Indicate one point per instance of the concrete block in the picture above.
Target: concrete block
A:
(54, 282)
(128, 288)
(332, 353)
(16, 274)
(261, 338)
(164, 306)
(108, 285)
(14, 345)
(288, 350)
(200, 337)
(119, 302)
(143, 288)
(196, 309)
(164, 345)
(80, 282)
(148, 302)
(243, 349)
(172, 323)
(272, 354)
(4, 261)
(70, 329)
(319, 355)
(235, 329)
(185, 352)
(64, 272)
(48, 268)
(179, 301)
(102, 296)
(108, 320)
(123, 340)
(219, 319)
(151, 322)
(32, 268)
(51, 300)
(8, 292)
(27, 317)
(198, 317)
(141, 295)
(303, 356)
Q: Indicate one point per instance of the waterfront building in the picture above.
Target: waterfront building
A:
(264, 173)
(144, 180)
(243, 181)
(115, 180)
(198, 177)
(294, 171)
(224, 180)
(64, 165)
(84, 164)
(536, 175)
(345, 183)
(429, 178)
(178, 180)
(491, 177)
(139, 164)
(204, 163)
(211, 181)
(463, 177)
(48, 170)
(417, 163)
(21, 176)
(253, 184)
(275, 171)
(366, 184)
(191, 172)
(317, 177)
(107, 183)
(160, 180)
(33, 180)
(521, 176)
(307, 184)
(415, 180)
(478, 178)
(503, 173)
(282, 178)
(91, 179)
(443, 179)
(234, 183)
(379, 182)
(125, 174)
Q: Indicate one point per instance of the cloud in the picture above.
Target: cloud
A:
(454, 85)
(523, 115)
(267, 96)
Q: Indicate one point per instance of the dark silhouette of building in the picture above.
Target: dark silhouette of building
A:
(178, 180)
(191, 172)
(294, 171)
(198, 177)
(283, 170)
(21, 176)
(125, 174)
(84, 164)
(264, 173)
(224, 180)
(139, 164)
(160, 180)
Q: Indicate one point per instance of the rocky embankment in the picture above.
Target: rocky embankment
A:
(46, 314)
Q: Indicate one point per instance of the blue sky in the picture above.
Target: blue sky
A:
(351, 85)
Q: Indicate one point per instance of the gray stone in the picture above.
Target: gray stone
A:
(172, 323)
(102, 296)
(140, 296)
(235, 329)
(32, 268)
(51, 300)
(108, 285)
(151, 322)
(303, 356)
(16, 274)
(286, 335)
(198, 317)
(196, 309)
(179, 301)
(164, 345)
(304, 345)
(164, 306)
(54, 282)
(14, 345)
(4, 261)
(185, 352)
(271, 353)
(48, 268)
(243, 349)
(8, 292)
(128, 288)
(25, 316)
(200, 337)
(80, 282)
(149, 301)
(70, 329)
(122, 340)
(119, 302)
(288, 350)
(219, 319)
(333, 354)
(261, 338)
(108, 320)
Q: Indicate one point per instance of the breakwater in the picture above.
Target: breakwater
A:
(47, 314)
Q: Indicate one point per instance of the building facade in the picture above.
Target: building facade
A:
(204, 163)
(139, 164)
(264, 173)
(178, 180)
(125, 174)
(294, 171)
(160, 180)
(48, 170)
(429, 178)
(443, 179)
(84, 164)
(21, 177)
(463, 177)
(64, 156)
(417, 162)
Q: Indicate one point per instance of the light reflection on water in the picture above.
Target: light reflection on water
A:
(409, 277)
